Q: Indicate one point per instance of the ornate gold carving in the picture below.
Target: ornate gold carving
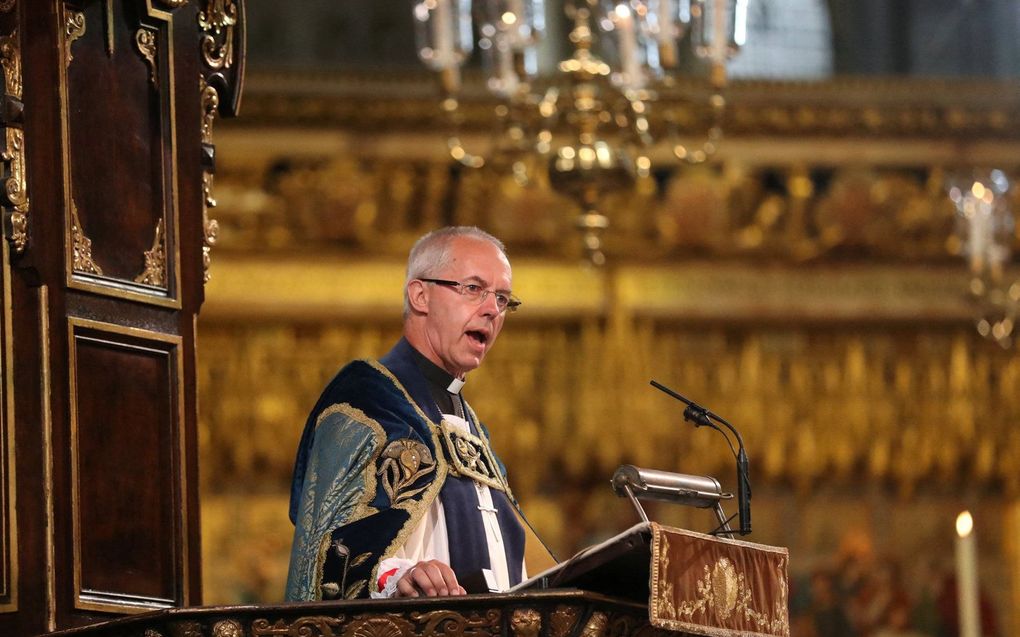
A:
(562, 620)
(10, 60)
(81, 247)
(145, 40)
(227, 628)
(526, 622)
(403, 463)
(392, 626)
(155, 260)
(210, 103)
(7, 5)
(446, 623)
(210, 228)
(302, 627)
(187, 629)
(16, 188)
(218, 19)
(596, 626)
(175, 4)
(74, 28)
(16, 183)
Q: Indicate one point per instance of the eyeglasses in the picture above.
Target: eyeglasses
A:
(477, 294)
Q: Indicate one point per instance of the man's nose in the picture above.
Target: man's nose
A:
(489, 305)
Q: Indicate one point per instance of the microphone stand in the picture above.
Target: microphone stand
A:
(702, 417)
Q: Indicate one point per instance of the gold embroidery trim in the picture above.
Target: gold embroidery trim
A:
(416, 508)
(404, 461)
(720, 589)
(470, 457)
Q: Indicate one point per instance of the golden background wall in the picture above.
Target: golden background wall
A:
(806, 287)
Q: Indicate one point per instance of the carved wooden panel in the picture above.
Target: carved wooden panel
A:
(127, 445)
(120, 129)
(14, 202)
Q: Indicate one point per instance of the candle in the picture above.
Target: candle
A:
(720, 29)
(442, 32)
(966, 576)
(629, 65)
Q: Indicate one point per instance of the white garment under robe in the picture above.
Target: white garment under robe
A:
(430, 541)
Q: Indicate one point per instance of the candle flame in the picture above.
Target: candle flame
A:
(964, 524)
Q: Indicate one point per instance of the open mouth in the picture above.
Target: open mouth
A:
(478, 336)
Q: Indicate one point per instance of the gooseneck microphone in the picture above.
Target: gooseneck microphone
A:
(702, 417)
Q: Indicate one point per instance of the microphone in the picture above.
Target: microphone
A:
(702, 417)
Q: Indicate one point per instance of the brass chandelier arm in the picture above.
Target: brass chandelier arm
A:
(449, 82)
(717, 109)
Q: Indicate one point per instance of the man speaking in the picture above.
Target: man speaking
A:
(396, 490)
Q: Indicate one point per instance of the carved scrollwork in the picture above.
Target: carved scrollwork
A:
(10, 60)
(302, 627)
(210, 228)
(187, 629)
(155, 260)
(81, 247)
(596, 626)
(16, 189)
(445, 623)
(15, 182)
(74, 28)
(145, 40)
(7, 5)
(218, 20)
(227, 628)
(393, 626)
(175, 4)
(526, 622)
(562, 620)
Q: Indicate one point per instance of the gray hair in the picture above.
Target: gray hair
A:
(431, 252)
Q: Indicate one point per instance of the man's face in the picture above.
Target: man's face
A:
(459, 331)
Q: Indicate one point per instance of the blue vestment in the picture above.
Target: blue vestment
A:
(373, 457)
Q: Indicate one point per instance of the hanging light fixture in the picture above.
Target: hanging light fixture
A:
(985, 230)
(624, 53)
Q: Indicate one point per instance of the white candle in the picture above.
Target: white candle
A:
(720, 28)
(966, 576)
(442, 33)
(627, 40)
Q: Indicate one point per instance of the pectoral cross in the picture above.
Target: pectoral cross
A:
(109, 28)
(489, 516)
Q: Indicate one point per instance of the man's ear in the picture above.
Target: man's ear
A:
(418, 296)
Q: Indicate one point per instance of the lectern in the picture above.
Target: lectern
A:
(649, 581)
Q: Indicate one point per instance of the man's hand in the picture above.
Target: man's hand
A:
(430, 578)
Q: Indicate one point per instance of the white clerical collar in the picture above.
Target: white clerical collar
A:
(455, 385)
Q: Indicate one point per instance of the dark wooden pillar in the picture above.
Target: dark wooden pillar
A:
(107, 169)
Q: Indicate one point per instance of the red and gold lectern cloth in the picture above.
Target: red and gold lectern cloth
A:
(705, 585)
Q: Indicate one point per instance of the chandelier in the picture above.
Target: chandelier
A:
(586, 123)
(985, 230)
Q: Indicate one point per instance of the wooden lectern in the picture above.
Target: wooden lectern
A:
(650, 580)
